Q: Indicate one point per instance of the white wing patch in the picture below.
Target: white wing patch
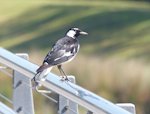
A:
(45, 63)
(71, 45)
(46, 71)
(74, 50)
(66, 54)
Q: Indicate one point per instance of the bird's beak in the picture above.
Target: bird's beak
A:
(84, 33)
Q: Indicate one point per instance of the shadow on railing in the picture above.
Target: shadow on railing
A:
(70, 95)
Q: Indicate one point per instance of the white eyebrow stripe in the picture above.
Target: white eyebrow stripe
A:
(75, 28)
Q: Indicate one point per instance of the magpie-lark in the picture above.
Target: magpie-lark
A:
(63, 51)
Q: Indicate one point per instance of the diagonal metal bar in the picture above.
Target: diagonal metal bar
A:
(1, 67)
(6, 73)
(49, 98)
(5, 109)
(72, 111)
(25, 111)
(5, 98)
(42, 93)
(69, 90)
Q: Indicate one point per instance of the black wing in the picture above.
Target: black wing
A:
(63, 50)
(43, 67)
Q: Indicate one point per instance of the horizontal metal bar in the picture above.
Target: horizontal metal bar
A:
(69, 90)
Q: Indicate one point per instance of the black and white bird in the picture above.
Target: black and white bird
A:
(63, 51)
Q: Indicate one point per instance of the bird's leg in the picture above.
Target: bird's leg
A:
(63, 78)
(62, 71)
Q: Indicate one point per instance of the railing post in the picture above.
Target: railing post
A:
(127, 106)
(66, 106)
(22, 94)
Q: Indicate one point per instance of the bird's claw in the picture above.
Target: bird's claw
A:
(65, 79)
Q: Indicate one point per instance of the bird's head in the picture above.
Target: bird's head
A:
(75, 32)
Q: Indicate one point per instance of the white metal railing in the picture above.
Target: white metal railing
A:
(71, 91)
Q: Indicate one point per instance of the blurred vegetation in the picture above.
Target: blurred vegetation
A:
(113, 59)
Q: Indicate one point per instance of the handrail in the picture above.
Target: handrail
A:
(69, 90)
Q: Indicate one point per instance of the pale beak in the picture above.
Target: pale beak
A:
(84, 33)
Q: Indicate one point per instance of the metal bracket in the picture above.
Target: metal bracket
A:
(66, 106)
(36, 87)
(127, 106)
(22, 94)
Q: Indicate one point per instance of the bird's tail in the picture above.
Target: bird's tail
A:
(41, 76)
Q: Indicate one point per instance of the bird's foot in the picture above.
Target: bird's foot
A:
(65, 79)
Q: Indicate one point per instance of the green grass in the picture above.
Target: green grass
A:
(115, 28)
(114, 58)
